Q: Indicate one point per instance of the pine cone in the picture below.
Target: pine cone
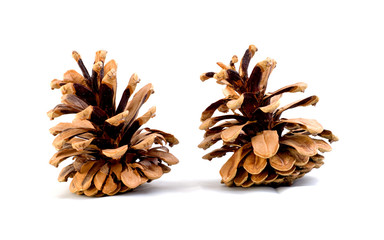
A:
(111, 152)
(268, 149)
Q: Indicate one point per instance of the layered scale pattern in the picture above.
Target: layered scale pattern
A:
(267, 149)
(110, 149)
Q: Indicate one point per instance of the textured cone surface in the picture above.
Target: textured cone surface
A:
(267, 149)
(111, 152)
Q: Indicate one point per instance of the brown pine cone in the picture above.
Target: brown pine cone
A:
(111, 152)
(267, 149)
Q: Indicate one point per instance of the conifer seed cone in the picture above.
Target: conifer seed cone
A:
(267, 149)
(111, 151)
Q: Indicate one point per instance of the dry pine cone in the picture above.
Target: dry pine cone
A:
(268, 149)
(111, 152)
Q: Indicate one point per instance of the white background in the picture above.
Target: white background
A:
(334, 46)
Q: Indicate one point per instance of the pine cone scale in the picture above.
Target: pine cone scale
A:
(229, 169)
(254, 164)
(266, 143)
